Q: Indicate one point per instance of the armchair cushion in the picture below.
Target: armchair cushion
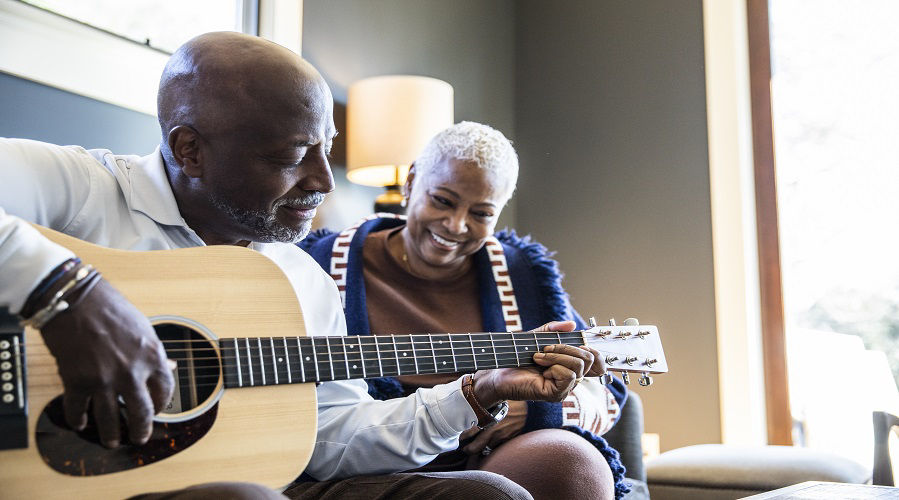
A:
(712, 471)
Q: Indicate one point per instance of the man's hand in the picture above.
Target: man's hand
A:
(105, 348)
(564, 367)
(498, 434)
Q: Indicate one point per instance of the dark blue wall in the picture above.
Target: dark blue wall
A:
(33, 111)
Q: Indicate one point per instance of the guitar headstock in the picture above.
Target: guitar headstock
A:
(631, 347)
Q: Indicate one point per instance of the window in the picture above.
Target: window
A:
(835, 70)
(160, 24)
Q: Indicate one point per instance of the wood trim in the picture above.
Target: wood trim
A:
(771, 290)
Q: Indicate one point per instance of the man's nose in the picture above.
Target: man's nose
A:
(315, 174)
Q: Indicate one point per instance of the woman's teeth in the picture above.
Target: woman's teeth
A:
(442, 241)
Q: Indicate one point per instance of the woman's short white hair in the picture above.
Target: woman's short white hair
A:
(471, 142)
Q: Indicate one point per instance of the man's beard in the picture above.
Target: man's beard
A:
(264, 224)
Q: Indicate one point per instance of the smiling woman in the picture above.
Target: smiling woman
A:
(442, 269)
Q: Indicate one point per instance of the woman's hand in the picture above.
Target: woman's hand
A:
(504, 430)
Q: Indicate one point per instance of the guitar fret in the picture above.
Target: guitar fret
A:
(346, 358)
(287, 361)
(274, 360)
(330, 357)
(250, 360)
(378, 352)
(463, 353)
(371, 364)
(358, 365)
(315, 359)
(300, 359)
(424, 355)
(433, 353)
(414, 356)
(474, 356)
(493, 346)
(396, 355)
(237, 363)
(484, 350)
(515, 348)
(403, 346)
(261, 359)
(504, 350)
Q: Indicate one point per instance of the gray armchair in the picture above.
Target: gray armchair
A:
(626, 437)
(883, 469)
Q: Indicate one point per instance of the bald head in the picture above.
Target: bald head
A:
(221, 83)
(246, 129)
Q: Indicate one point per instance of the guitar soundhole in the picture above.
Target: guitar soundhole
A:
(198, 371)
(184, 421)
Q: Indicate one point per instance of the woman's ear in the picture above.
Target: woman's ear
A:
(184, 143)
(407, 186)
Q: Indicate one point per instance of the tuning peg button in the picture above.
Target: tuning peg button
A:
(626, 378)
(645, 380)
(592, 322)
(632, 322)
(605, 379)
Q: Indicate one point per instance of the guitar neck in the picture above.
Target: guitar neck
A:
(257, 361)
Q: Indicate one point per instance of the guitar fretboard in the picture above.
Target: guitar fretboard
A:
(259, 361)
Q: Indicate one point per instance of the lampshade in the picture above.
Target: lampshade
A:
(389, 121)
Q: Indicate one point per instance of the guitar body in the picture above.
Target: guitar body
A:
(259, 434)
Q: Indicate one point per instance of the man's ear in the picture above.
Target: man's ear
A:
(184, 142)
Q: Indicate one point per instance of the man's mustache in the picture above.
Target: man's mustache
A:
(311, 199)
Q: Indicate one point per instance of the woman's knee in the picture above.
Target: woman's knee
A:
(541, 457)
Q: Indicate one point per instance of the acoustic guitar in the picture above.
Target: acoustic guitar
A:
(244, 406)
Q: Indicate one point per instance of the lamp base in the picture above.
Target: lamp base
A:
(390, 201)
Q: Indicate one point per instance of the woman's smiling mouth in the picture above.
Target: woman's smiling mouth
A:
(449, 244)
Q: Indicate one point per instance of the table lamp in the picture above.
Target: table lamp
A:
(389, 121)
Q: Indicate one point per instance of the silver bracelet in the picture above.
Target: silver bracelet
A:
(57, 304)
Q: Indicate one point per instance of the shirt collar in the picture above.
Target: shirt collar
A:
(151, 193)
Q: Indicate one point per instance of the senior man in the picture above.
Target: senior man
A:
(246, 129)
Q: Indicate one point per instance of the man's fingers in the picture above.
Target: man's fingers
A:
(573, 358)
(106, 413)
(161, 386)
(599, 365)
(75, 407)
(140, 415)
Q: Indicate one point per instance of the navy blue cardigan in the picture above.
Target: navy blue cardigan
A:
(538, 290)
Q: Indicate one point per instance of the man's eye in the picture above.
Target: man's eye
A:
(483, 215)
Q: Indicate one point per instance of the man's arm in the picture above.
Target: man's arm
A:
(104, 346)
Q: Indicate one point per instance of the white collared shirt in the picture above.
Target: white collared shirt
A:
(126, 202)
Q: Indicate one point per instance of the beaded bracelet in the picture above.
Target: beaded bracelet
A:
(57, 304)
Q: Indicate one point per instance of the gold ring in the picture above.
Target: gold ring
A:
(578, 380)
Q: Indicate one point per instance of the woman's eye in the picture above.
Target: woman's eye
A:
(442, 201)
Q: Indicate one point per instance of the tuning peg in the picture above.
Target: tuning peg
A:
(631, 322)
(630, 360)
(611, 321)
(645, 380)
(605, 378)
(642, 333)
(650, 362)
(610, 358)
(626, 378)
(591, 322)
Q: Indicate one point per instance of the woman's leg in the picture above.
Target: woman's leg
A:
(552, 464)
